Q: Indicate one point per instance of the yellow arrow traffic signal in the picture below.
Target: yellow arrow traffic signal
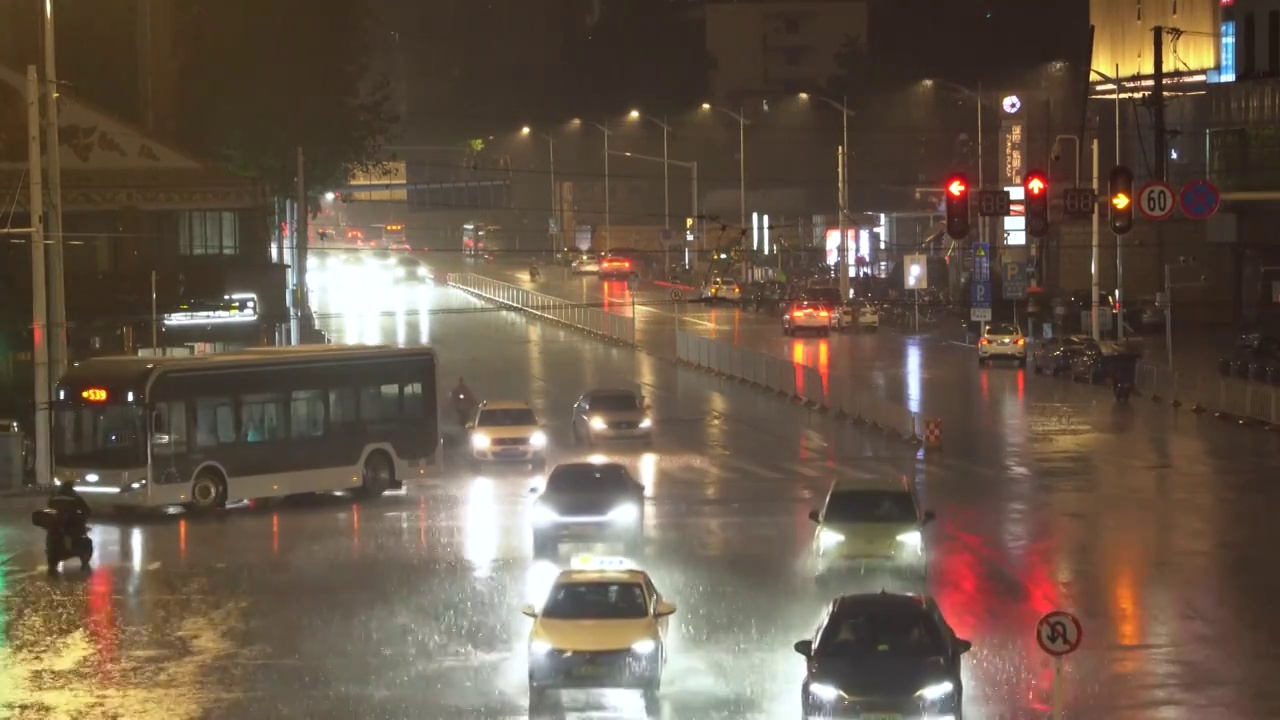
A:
(1120, 201)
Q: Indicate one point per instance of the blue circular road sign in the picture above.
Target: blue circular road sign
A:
(1199, 199)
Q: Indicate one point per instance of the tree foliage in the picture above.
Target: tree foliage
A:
(259, 79)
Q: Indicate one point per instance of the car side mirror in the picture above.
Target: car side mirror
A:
(804, 647)
(929, 516)
(664, 609)
(533, 490)
(964, 646)
(815, 516)
(529, 611)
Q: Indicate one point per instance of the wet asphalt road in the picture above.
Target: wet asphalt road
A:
(1154, 527)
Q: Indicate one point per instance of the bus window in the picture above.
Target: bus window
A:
(215, 422)
(342, 407)
(379, 403)
(261, 418)
(413, 400)
(169, 428)
(306, 414)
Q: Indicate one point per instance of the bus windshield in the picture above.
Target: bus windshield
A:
(106, 436)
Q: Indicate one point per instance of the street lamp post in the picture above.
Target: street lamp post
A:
(693, 169)
(740, 116)
(608, 223)
(666, 184)
(555, 205)
(843, 182)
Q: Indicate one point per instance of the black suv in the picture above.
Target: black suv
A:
(883, 655)
(588, 502)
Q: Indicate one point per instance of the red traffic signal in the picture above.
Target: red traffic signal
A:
(1036, 188)
(957, 196)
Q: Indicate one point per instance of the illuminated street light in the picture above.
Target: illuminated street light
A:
(666, 169)
(555, 189)
(706, 106)
(526, 130)
(634, 114)
(742, 158)
(803, 96)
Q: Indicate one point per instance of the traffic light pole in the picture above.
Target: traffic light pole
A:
(1097, 231)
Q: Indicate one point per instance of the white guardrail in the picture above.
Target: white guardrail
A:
(1228, 398)
(801, 383)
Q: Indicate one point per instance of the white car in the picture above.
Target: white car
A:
(1002, 341)
(807, 315)
(508, 432)
(585, 265)
(842, 317)
(611, 415)
(718, 289)
(868, 317)
(603, 625)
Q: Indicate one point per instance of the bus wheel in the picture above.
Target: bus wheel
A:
(208, 491)
(377, 475)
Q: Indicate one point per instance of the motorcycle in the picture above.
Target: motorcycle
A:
(465, 406)
(1122, 390)
(535, 274)
(61, 542)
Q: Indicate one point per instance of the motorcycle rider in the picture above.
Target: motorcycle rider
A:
(534, 272)
(73, 518)
(464, 401)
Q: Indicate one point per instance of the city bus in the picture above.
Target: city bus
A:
(394, 237)
(480, 238)
(201, 431)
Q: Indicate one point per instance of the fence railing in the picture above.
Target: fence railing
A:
(802, 383)
(619, 328)
(1200, 391)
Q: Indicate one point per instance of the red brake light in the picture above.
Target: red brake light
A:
(1022, 341)
(797, 314)
(983, 341)
(823, 313)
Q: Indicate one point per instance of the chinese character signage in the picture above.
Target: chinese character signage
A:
(1013, 149)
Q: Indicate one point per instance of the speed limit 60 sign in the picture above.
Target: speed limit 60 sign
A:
(1156, 201)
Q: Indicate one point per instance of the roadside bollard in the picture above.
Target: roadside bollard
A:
(933, 434)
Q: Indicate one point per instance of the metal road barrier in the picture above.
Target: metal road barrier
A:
(799, 382)
(1230, 398)
(593, 320)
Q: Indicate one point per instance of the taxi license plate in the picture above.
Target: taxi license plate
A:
(882, 716)
(510, 453)
(591, 671)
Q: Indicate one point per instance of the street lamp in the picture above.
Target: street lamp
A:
(743, 122)
(843, 182)
(555, 205)
(666, 184)
(693, 168)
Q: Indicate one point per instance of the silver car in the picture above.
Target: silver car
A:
(611, 415)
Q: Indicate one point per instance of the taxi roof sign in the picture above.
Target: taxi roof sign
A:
(601, 562)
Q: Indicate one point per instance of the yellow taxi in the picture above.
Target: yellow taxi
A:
(864, 526)
(603, 625)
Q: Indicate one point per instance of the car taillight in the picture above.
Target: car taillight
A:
(1021, 341)
(797, 313)
(824, 313)
(982, 341)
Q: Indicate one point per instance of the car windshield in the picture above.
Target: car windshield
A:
(581, 479)
(106, 435)
(870, 506)
(596, 601)
(809, 306)
(871, 632)
(1003, 329)
(507, 417)
(619, 401)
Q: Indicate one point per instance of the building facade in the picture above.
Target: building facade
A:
(778, 47)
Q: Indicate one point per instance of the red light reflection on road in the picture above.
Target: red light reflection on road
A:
(983, 375)
(101, 617)
(823, 363)
(797, 360)
(355, 530)
(275, 534)
(182, 540)
(1022, 384)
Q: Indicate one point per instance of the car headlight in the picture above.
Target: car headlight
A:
(912, 538)
(538, 439)
(937, 691)
(479, 441)
(598, 423)
(543, 515)
(399, 272)
(539, 647)
(422, 272)
(138, 485)
(646, 423)
(822, 691)
(624, 513)
(829, 538)
(644, 647)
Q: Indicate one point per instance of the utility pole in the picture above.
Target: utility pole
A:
(1159, 129)
(1097, 230)
(1119, 238)
(843, 253)
(39, 308)
(299, 258)
(57, 291)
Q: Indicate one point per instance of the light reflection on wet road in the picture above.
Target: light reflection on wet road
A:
(1154, 527)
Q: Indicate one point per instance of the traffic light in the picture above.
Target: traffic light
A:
(957, 192)
(1036, 189)
(1121, 197)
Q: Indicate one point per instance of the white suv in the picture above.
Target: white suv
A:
(508, 432)
(1002, 340)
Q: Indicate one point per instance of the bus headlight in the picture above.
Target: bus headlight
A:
(538, 439)
(644, 647)
(479, 441)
